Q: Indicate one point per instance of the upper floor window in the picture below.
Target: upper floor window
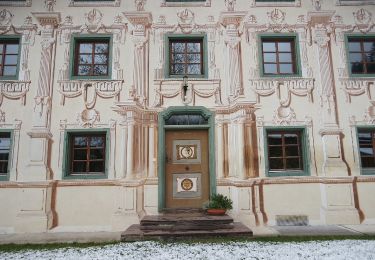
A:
(9, 57)
(361, 55)
(88, 3)
(91, 57)
(86, 154)
(279, 56)
(296, 3)
(5, 144)
(355, 2)
(186, 2)
(366, 140)
(186, 56)
(286, 152)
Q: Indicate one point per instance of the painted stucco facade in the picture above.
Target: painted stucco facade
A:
(44, 103)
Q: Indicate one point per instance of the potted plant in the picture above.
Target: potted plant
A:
(218, 204)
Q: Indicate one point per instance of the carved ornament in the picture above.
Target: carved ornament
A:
(230, 5)
(47, 18)
(14, 90)
(357, 87)
(88, 117)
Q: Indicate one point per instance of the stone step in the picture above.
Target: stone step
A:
(134, 233)
(186, 221)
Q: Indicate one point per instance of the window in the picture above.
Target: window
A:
(92, 3)
(366, 140)
(279, 56)
(92, 57)
(86, 154)
(186, 3)
(9, 58)
(296, 3)
(182, 1)
(274, 1)
(361, 55)
(285, 152)
(186, 55)
(355, 2)
(5, 144)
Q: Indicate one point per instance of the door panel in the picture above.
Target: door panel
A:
(187, 171)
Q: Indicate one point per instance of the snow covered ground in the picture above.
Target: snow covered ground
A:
(344, 249)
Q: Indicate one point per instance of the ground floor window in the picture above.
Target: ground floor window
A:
(5, 144)
(86, 154)
(366, 140)
(285, 152)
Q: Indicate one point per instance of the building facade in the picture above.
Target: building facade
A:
(112, 110)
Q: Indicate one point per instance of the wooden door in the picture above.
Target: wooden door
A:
(187, 169)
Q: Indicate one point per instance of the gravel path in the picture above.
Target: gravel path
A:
(336, 249)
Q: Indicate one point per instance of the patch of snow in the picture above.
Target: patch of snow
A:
(334, 249)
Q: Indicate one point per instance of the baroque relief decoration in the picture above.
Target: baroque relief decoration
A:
(17, 89)
(105, 88)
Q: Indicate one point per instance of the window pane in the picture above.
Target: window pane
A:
(1, 47)
(101, 48)
(4, 155)
(293, 164)
(366, 151)
(194, 69)
(276, 164)
(285, 57)
(85, 48)
(193, 47)
(274, 139)
(10, 70)
(178, 69)
(369, 46)
(96, 154)
(354, 46)
(1, 59)
(286, 68)
(79, 166)
(357, 68)
(371, 68)
(96, 141)
(275, 151)
(100, 70)
(12, 49)
(269, 57)
(80, 141)
(85, 59)
(3, 168)
(291, 138)
(178, 47)
(367, 162)
(292, 150)
(100, 59)
(11, 59)
(355, 57)
(284, 46)
(178, 58)
(270, 68)
(370, 57)
(80, 154)
(96, 167)
(269, 47)
(193, 58)
(84, 70)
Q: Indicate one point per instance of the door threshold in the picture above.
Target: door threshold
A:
(181, 210)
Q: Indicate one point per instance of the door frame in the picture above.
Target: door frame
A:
(185, 110)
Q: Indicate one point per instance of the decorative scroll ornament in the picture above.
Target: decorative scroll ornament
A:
(230, 5)
(321, 37)
(94, 17)
(14, 90)
(362, 17)
(88, 117)
(284, 116)
(186, 17)
(317, 4)
(276, 16)
(5, 17)
(49, 4)
(140, 5)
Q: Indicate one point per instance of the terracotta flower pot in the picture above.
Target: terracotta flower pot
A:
(216, 212)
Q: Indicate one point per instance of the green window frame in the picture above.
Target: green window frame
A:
(69, 151)
(5, 154)
(99, 38)
(169, 38)
(10, 57)
(295, 54)
(360, 38)
(270, 1)
(366, 149)
(183, 1)
(302, 146)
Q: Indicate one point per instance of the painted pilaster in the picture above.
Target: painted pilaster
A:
(233, 86)
(242, 174)
(141, 22)
(151, 150)
(130, 149)
(220, 151)
(333, 164)
(40, 134)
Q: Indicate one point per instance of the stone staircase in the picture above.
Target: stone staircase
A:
(185, 225)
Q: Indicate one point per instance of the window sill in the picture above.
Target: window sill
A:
(296, 3)
(4, 177)
(286, 173)
(85, 177)
(115, 3)
(369, 171)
